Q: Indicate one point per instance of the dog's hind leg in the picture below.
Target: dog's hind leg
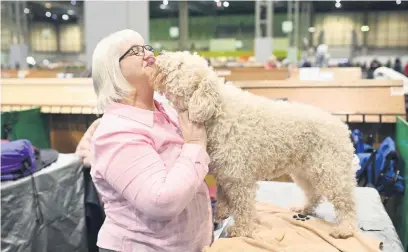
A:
(345, 208)
(312, 197)
(241, 198)
(337, 182)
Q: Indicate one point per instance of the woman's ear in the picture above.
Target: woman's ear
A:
(204, 102)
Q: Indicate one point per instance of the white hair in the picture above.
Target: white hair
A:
(109, 83)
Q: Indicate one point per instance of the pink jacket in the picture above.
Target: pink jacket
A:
(151, 183)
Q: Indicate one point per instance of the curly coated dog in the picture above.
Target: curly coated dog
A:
(251, 138)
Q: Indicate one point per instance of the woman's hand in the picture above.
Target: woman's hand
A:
(83, 149)
(193, 133)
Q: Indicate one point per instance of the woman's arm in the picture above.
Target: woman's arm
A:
(135, 169)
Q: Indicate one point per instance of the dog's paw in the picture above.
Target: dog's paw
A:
(302, 209)
(297, 209)
(342, 232)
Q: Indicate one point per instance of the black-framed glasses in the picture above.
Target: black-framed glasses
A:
(136, 50)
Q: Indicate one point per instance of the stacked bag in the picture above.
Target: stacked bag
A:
(18, 159)
(379, 168)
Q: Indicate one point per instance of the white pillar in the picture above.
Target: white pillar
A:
(290, 18)
(296, 35)
(26, 35)
(293, 36)
(269, 19)
(18, 51)
(263, 30)
(18, 14)
(183, 25)
(102, 18)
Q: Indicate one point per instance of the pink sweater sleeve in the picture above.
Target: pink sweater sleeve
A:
(135, 169)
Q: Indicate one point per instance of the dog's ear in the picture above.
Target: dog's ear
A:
(204, 102)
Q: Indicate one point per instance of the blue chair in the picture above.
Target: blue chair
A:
(364, 152)
(359, 144)
(380, 170)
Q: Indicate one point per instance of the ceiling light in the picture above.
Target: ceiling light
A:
(398, 2)
(287, 26)
(26, 10)
(338, 5)
(165, 2)
(219, 4)
(174, 32)
(162, 6)
(226, 4)
(48, 14)
(54, 16)
(338, 1)
(216, 1)
(65, 17)
(71, 12)
(365, 28)
(73, 2)
(311, 29)
(30, 60)
(48, 5)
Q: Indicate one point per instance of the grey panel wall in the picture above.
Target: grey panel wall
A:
(105, 17)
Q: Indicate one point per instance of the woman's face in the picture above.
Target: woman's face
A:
(134, 61)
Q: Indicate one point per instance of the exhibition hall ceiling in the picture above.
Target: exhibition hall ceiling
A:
(54, 11)
(70, 11)
(224, 7)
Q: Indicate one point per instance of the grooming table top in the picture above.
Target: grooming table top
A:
(372, 217)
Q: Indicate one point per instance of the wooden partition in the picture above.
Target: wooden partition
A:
(71, 102)
(69, 96)
(327, 74)
(30, 73)
(354, 101)
(255, 73)
(261, 74)
(313, 84)
(230, 74)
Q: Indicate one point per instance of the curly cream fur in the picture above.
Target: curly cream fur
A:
(252, 138)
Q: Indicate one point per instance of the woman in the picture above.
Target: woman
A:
(271, 63)
(148, 169)
(398, 65)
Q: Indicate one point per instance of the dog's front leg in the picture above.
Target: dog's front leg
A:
(242, 204)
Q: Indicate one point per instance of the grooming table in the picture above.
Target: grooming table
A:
(373, 220)
(62, 227)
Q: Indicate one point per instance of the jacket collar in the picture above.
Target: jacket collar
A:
(143, 116)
